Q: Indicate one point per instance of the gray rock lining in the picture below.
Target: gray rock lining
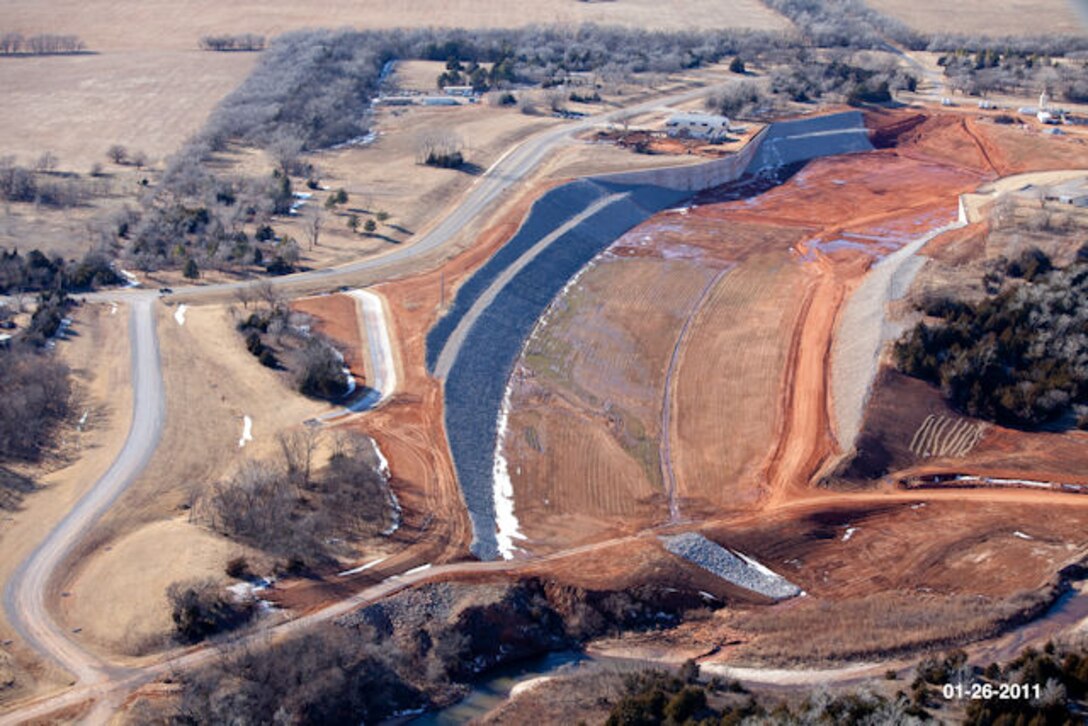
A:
(732, 567)
(486, 352)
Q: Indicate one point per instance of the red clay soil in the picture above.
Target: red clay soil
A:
(959, 542)
(337, 317)
(409, 428)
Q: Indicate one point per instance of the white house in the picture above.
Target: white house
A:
(697, 126)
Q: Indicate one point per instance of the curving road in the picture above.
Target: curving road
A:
(26, 591)
(475, 205)
(25, 594)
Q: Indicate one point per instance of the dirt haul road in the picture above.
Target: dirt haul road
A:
(26, 592)
(110, 688)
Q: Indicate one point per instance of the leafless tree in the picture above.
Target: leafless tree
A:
(46, 163)
(245, 295)
(117, 153)
(267, 292)
(437, 144)
(297, 448)
(314, 223)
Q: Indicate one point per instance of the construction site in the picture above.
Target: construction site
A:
(649, 384)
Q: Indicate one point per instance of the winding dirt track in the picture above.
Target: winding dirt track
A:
(668, 474)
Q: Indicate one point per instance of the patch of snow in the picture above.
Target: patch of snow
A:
(362, 568)
(919, 505)
(1021, 535)
(83, 420)
(848, 533)
(383, 469)
(113, 308)
(528, 685)
(421, 568)
(365, 140)
(407, 712)
(179, 314)
(506, 522)
(130, 279)
(247, 431)
(349, 380)
(707, 596)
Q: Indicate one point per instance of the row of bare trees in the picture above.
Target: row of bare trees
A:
(41, 44)
(239, 42)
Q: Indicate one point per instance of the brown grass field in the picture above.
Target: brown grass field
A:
(130, 24)
(147, 99)
(980, 17)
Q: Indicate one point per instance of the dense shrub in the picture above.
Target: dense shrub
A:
(281, 508)
(20, 184)
(36, 392)
(329, 675)
(1019, 357)
(319, 370)
(201, 609)
(452, 160)
(239, 42)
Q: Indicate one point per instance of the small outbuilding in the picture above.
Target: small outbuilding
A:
(697, 126)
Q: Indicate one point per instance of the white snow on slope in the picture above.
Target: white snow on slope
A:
(247, 431)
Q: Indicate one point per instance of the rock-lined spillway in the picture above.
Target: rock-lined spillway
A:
(732, 567)
(474, 347)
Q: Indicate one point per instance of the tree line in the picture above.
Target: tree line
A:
(36, 272)
(239, 42)
(1018, 357)
(40, 44)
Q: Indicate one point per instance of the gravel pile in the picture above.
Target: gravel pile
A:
(732, 567)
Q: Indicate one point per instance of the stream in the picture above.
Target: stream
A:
(494, 689)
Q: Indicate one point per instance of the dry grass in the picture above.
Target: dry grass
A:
(78, 106)
(823, 631)
(128, 24)
(118, 598)
(982, 17)
(730, 379)
(586, 425)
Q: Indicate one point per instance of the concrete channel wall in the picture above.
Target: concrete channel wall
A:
(484, 351)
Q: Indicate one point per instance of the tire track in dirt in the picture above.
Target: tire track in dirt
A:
(981, 146)
(667, 474)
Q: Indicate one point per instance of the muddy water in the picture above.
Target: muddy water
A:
(494, 689)
(1066, 613)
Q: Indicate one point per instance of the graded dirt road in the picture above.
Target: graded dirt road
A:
(26, 591)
